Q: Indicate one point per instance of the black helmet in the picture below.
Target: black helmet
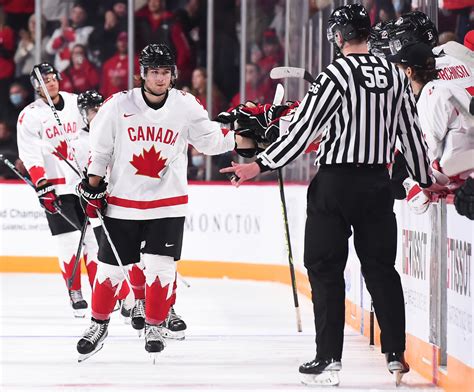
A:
(351, 20)
(412, 27)
(44, 69)
(378, 41)
(156, 56)
(88, 100)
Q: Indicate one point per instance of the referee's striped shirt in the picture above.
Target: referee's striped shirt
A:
(356, 108)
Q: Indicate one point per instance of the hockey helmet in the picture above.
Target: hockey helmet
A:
(44, 69)
(378, 41)
(351, 20)
(157, 56)
(90, 99)
(412, 27)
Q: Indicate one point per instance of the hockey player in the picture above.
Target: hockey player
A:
(43, 145)
(89, 103)
(142, 136)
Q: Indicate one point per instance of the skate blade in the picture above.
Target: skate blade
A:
(79, 313)
(398, 377)
(325, 378)
(126, 320)
(83, 357)
(140, 332)
(173, 335)
(154, 357)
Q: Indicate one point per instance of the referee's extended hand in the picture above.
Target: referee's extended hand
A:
(242, 171)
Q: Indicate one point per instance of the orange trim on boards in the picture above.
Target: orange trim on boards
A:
(422, 356)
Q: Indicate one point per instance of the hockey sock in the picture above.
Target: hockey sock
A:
(160, 273)
(137, 279)
(106, 289)
(67, 246)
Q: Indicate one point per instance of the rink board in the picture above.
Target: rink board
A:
(239, 233)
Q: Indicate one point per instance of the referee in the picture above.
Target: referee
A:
(357, 107)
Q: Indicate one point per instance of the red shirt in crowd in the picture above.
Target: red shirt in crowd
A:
(80, 80)
(18, 6)
(115, 75)
(167, 30)
(7, 43)
(260, 93)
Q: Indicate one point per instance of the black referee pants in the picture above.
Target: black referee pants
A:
(341, 197)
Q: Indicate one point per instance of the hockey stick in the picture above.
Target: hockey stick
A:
(277, 100)
(12, 167)
(56, 117)
(291, 72)
(77, 260)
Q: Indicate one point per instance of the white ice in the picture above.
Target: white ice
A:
(241, 337)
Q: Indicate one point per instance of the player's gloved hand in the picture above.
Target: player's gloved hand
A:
(227, 117)
(418, 201)
(93, 199)
(48, 198)
(464, 199)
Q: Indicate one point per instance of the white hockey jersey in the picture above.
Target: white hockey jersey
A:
(453, 70)
(40, 138)
(146, 152)
(448, 130)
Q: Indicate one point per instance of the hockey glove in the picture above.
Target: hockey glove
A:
(228, 117)
(93, 199)
(48, 198)
(464, 199)
(418, 201)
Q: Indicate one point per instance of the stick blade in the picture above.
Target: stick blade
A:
(287, 72)
(279, 94)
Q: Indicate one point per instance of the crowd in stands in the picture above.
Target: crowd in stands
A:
(87, 42)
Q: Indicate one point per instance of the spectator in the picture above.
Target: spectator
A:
(17, 12)
(54, 11)
(69, 34)
(199, 90)
(7, 67)
(19, 96)
(105, 34)
(255, 90)
(196, 165)
(81, 75)
(25, 53)
(189, 17)
(272, 52)
(9, 150)
(155, 24)
(115, 70)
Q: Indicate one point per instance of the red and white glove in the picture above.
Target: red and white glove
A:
(93, 199)
(417, 200)
(48, 198)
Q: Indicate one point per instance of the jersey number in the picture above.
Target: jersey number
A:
(374, 76)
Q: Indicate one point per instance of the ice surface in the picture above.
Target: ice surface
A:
(241, 337)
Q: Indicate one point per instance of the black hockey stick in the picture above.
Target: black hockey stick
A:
(12, 167)
(77, 260)
(290, 253)
(277, 100)
(291, 72)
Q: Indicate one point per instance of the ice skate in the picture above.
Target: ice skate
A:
(125, 312)
(154, 342)
(93, 339)
(78, 304)
(173, 327)
(320, 372)
(397, 365)
(138, 316)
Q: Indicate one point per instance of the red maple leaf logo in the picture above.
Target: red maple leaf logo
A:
(149, 163)
(61, 150)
